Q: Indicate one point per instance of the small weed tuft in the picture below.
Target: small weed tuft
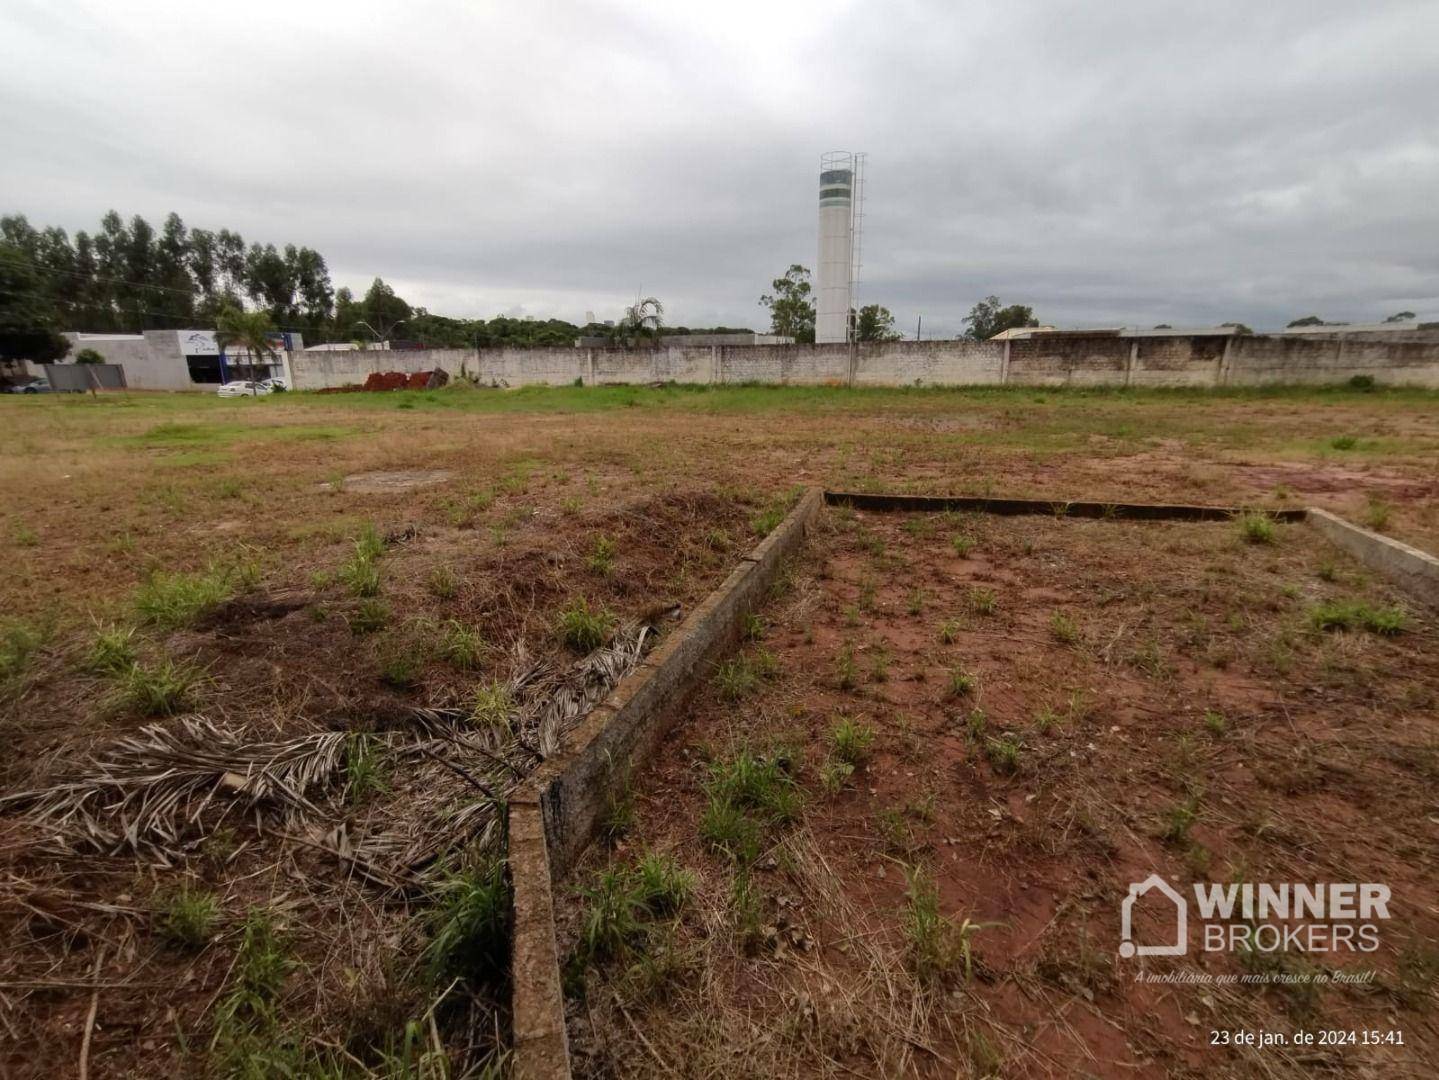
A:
(442, 583)
(962, 682)
(582, 629)
(982, 601)
(492, 706)
(186, 917)
(161, 689)
(371, 615)
(601, 558)
(1256, 528)
(460, 646)
(1064, 628)
(850, 742)
(111, 652)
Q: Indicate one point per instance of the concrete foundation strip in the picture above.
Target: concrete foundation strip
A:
(1413, 571)
(934, 504)
(552, 816)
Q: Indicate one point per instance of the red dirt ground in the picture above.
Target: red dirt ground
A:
(1320, 767)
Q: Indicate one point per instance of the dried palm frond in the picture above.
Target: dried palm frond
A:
(148, 791)
(554, 699)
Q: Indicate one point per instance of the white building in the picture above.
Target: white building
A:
(185, 359)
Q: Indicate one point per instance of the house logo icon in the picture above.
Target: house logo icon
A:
(1127, 947)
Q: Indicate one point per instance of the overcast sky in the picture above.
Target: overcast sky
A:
(1109, 163)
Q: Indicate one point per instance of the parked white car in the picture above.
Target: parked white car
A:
(244, 389)
(277, 383)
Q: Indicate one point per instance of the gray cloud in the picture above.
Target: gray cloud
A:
(1128, 162)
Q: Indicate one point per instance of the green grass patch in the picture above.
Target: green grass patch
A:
(1357, 615)
(582, 628)
(164, 688)
(186, 917)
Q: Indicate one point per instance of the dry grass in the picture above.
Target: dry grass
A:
(184, 552)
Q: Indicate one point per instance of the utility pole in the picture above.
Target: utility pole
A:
(918, 327)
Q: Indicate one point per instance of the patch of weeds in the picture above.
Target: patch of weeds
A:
(1045, 719)
(1256, 528)
(867, 589)
(962, 682)
(364, 767)
(186, 917)
(459, 645)
(582, 629)
(1214, 723)
(442, 583)
(112, 651)
(371, 615)
(401, 667)
(916, 601)
(1149, 658)
(492, 706)
(719, 540)
(601, 558)
(368, 544)
(1376, 513)
(1328, 570)
(845, 671)
(24, 536)
(1343, 442)
(975, 723)
(962, 545)
(469, 928)
(160, 689)
(728, 829)
(894, 831)
(748, 906)
(879, 665)
(982, 601)
(736, 678)
(752, 626)
(949, 631)
(619, 813)
(850, 742)
(936, 947)
(1064, 628)
(1003, 754)
(1179, 820)
(768, 519)
(745, 795)
(360, 576)
(172, 601)
(245, 1017)
(833, 775)
(1351, 614)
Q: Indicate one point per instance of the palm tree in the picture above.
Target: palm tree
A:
(249, 330)
(643, 319)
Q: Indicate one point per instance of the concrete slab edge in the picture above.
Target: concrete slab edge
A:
(1412, 570)
(1053, 507)
(553, 814)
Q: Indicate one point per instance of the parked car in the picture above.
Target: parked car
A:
(30, 386)
(244, 388)
(278, 384)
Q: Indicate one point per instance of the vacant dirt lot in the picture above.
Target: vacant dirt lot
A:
(332, 616)
(905, 816)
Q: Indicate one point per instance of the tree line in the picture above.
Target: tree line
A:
(128, 276)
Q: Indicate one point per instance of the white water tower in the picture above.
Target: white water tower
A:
(841, 212)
